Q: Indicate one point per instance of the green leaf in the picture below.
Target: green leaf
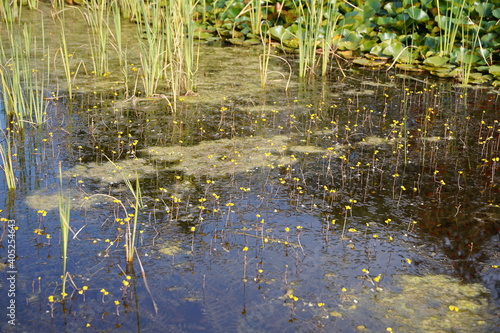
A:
(394, 48)
(436, 61)
(393, 8)
(496, 13)
(417, 14)
(494, 70)
(280, 33)
(387, 35)
(484, 9)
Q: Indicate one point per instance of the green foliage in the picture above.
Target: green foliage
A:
(407, 31)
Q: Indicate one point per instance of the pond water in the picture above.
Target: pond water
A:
(361, 203)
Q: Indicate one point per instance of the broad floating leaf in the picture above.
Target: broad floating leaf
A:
(369, 63)
(494, 70)
(417, 14)
(436, 61)
(280, 33)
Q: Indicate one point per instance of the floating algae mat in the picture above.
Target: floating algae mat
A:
(434, 303)
(224, 156)
(365, 201)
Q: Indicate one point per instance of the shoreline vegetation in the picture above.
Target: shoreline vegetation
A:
(451, 39)
(456, 39)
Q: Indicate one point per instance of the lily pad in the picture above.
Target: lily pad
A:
(436, 61)
(368, 62)
(417, 14)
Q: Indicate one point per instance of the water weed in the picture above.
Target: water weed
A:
(8, 166)
(97, 15)
(64, 219)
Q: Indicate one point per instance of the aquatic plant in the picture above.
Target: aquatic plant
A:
(65, 57)
(167, 51)
(131, 233)
(64, 219)
(7, 165)
(96, 16)
(153, 47)
(22, 84)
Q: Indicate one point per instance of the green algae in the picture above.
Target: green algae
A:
(112, 173)
(435, 303)
(48, 200)
(375, 141)
(224, 156)
(170, 248)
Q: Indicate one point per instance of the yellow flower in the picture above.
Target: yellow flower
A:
(51, 299)
(117, 302)
(453, 308)
(364, 270)
(321, 305)
(245, 249)
(125, 283)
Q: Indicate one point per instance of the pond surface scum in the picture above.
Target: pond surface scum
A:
(365, 203)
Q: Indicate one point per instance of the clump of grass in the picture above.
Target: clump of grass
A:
(316, 28)
(97, 15)
(22, 85)
(167, 49)
(152, 46)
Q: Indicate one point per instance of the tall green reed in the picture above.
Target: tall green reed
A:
(65, 58)
(64, 204)
(9, 11)
(7, 165)
(152, 46)
(117, 36)
(449, 20)
(329, 24)
(167, 49)
(264, 59)
(131, 234)
(316, 28)
(180, 46)
(97, 15)
(137, 205)
(22, 84)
